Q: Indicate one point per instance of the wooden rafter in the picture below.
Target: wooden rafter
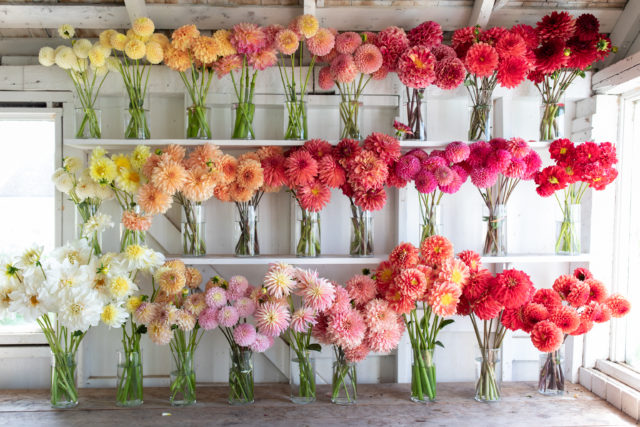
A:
(625, 31)
(135, 9)
(481, 13)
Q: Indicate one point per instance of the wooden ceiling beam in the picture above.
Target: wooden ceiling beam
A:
(625, 31)
(481, 13)
(136, 9)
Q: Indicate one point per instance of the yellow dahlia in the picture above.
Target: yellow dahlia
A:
(128, 180)
(143, 27)
(308, 25)
(133, 303)
(103, 170)
(160, 39)
(155, 53)
(66, 59)
(135, 49)
(140, 156)
(205, 49)
(105, 38)
(97, 56)
(118, 41)
(131, 35)
(223, 40)
(121, 161)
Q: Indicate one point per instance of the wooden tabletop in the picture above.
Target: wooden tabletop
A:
(378, 404)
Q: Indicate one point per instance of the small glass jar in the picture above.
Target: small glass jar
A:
(136, 123)
(307, 233)
(495, 242)
(488, 375)
(64, 391)
(246, 230)
(551, 121)
(84, 212)
(416, 110)
(302, 377)
(551, 380)
(129, 389)
(243, 121)
(197, 122)
(361, 232)
(241, 377)
(131, 237)
(568, 230)
(183, 379)
(344, 383)
(295, 121)
(423, 376)
(88, 123)
(480, 123)
(350, 119)
(193, 229)
(430, 221)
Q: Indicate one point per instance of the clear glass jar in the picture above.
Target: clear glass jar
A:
(193, 229)
(88, 123)
(430, 220)
(241, 377)
(416, 109)
(183, 379)
(136, 123)
(307, 233)
(495, 242)
(197, 122)
(568, 230)
(84, 211)
(295, 121)
(129, 389)
(243, 121)
(488, 375)
(551, 121)
(480, 123)
(350, 119)
(344, 383)
(423, 376)
(246, 230)
(302, 378)
(131, 237)
(361, 232)
(551, 382)
(64, 391)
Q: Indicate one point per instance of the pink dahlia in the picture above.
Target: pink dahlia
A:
(248, 38)
(549, 298)
(499, 160)
(582, 274)
(208, 319)
(319, 148)
(436, 249)
(518, 148)
(425, 182)
(244, 334)
(427, 34)
(408, 167)
(263, 59)
(457, 152)
(385, 340)
(487, 308)
(325, 78)
(228, 316)
(321, 43)
(481, 60)
(483, 177)
(367, 170)
(238, 286)
(511, 44)
(319, 330)
(314, 196)
(245, 306)
(444, 175)
(386, 147)
(405, 255)
(261, 343)
(272, 318)
(411, 283)
(566, 318)
(216, 297)
(286, 41)
(378, 315)
(578, 294)
(391, 41)
(357, 354)
(563, 284)
(330, 172)
(597, 290)
(415, 67)
(454, 271)
(471, 258)
(343, 69)
(442, 51)
(546, 336)
(367, 58)
(361, 289)
(303, 319)
(346, 328)
(342, 300)
(300, 167)
(319, 295)
(478, 284)
(371, 200)
(618, 305)
(463, 39)
(348, 42)
(443, 298)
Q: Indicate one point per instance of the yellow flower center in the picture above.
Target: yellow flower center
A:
(456, 276)
(76, 308)
(34, 301)
(446, 299)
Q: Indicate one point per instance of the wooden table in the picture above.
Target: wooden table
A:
(378, 405)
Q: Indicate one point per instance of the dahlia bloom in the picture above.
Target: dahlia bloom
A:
(361, 289)
(347, 328)
(300, 167)
(444, 297)
(512, 288)
(428, 34)
(319, 295)
(546, 336)
(436, 249)
(391, 41)
(272, 318)
(481, 59)
(415, 67)
(244, 334)
(566, 318)
(348, 42)
(556, 26)
(405, 255)
(343, 69)
(248, 38)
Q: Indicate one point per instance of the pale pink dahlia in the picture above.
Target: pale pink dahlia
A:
(245, 306)
(216, 297)
(272, 318)
(342, 300)
(361, 288)
(322, 43)
(248, 38)
(319, 295)
(348, 42)
(279, 282)
(385, 340)
(367, 58)
(263, 59)
(244, 334)
(457, 152)
(237, 287)
(346, 328)
(228, 316)
(261, 343)
(302, 319)
(357, 354)
(208, 319)
(343, 69)
(325, 78)
(378, 315)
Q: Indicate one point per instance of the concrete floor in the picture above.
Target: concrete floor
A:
(378, 405)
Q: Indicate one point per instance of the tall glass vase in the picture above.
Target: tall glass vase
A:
(136, 123)
(344, 384)
(246, 230)
(88, 121)
(430, 216)
(307, 233)
(241, 377)
(296, 121)
(568, 230)
(302, 376)
(361, 232)
(64, 392)
(488, 375)
(183, 379)
(551, 121)
(495, 242)
(193, 229)
(129, 391)
(416, 109)
(423, 376)
(131, 237)
(243, 121)
(84, 211)
(551, 380)
(480, 120)
(198, 122)
(350, 119)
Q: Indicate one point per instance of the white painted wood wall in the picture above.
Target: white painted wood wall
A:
(531, 220)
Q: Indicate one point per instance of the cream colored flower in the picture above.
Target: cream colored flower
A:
(47, 56)
(65, 58)
(113, 64)
(131, 35)
(161, 39)
(80, 66)
(66, 31)
(118, 41)
(103, 192)
(62, 180)
(143, 27)
(140, 156)
(97, 56)
(105, 38)
(135, 49)
(81, 48)
(72, 164)
(155, 53)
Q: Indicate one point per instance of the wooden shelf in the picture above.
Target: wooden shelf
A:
(535, 259)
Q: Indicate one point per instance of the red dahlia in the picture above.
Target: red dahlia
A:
(587, 27)
(427, 34)
(556, 25)
(583, 53)
(550, 56)
(481, 59)
(512, 71)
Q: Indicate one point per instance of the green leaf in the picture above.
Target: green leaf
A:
(142, 329)
(314, 347)
(445, 323)
(438, 343)
(77, 333)
(423, 323)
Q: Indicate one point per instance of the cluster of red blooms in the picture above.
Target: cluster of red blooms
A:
(431, 275)
(571, 307)
(590, 163)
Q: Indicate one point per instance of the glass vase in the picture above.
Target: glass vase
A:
(350, 119)
(84, 211)
(241, 377)
(361, 232)
(198, 122)
(183, 379)
(568, 229)
(423, 376)
(88, 123)
(302, 376)
(64, 392)
(344, 383)
(430, 220)
(243, 121)
(295, 121)
(129, 387)
(193, 229)
(307, 233)
(416, 108)
(136, 124)
(495, 242)
(480, 117)
(488, 375)
(551, 121)
(131, 237)
(551, 380)
(246, 230)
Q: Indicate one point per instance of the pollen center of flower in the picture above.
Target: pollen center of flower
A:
(446, 299)
(34, 301)
(76, 308)
(553, 180)
(456, 276)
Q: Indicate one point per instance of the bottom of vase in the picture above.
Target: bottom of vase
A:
(130, 403)
(64, 405)
(302, 400)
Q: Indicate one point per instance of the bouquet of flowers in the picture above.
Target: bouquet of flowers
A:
(435, 174)
(229, 305)
(87, 65)
(87, 196)
(302, 31)
(122, 174)
(354, 58)
(61, 291)
(571, 307)
(561, 48)
(140, 43)
(430, 280)
(172, 316)
(357, 323)
(577, 168)
(492, 299)
(491, 57)
(424, 61)
(281, 314)
(496, 168)
(194, 56)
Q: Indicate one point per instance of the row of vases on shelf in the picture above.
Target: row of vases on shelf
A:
(344, 386)
(198, 120)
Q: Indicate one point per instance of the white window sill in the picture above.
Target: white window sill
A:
(617, 393)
